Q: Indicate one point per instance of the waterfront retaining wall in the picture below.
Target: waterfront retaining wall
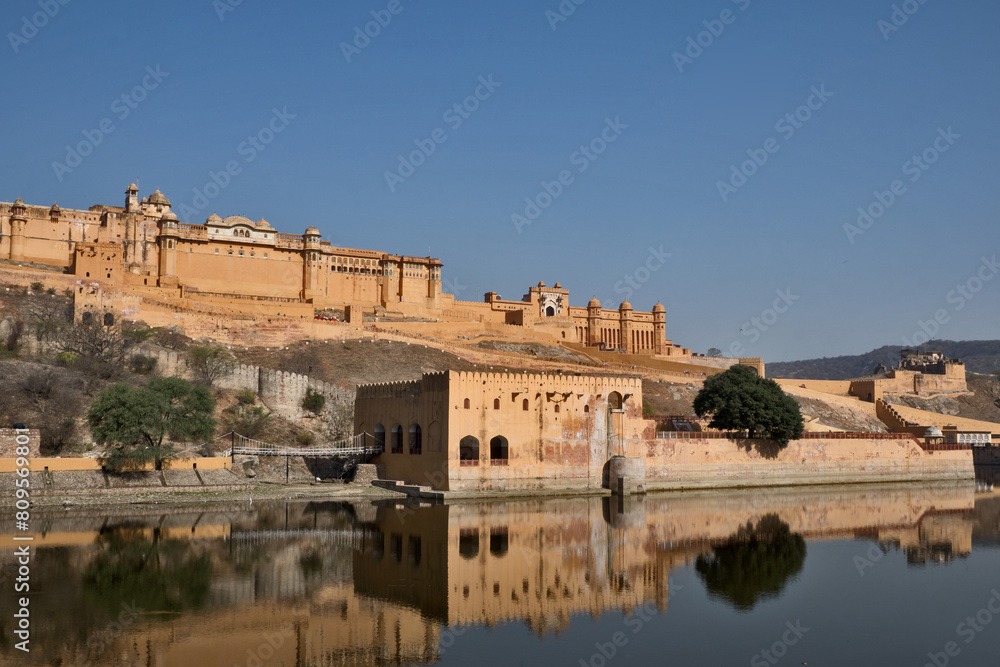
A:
(715, 463)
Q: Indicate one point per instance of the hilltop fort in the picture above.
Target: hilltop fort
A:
(236, 279)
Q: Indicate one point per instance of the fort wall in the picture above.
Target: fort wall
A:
(281, 391)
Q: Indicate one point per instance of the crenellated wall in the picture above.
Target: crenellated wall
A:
(280, 391)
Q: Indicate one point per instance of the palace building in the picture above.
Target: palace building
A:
(142, 255)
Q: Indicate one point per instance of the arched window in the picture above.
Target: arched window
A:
(109, 319)
(467, 404)
(586, 408)
(468, 542)
(557, 408)
(496, 403)
(524, 404)
(396, 547)
(468, 451)
(550, 312)
(397, 439)
(236, 232)
(380, 437)
(615, 401)
(416, 439)
(498, 451)
(87, 317)
(499, 540)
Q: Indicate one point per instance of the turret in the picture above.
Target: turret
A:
(593, 322)
(625, 325)
(311, 269)
(659, 329)
(168, 238)
(131, 198)
(18, 221)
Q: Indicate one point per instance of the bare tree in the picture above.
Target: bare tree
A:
(47, 318)
(210, 363)
(101, 339)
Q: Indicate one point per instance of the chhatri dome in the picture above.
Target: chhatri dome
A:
(594, 303)
(159, 198)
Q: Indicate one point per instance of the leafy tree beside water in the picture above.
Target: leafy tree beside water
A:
(134, 421)
(740, 400)
(754, 564)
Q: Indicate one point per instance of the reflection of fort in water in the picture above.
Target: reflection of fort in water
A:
(543, 562)
(378, 584)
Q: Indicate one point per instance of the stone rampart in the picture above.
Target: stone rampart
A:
(281, 391)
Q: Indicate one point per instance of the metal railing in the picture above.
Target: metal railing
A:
(359, 445)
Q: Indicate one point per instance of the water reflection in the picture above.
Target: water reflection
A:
(754, 563)
(131, 567)
(303, 583)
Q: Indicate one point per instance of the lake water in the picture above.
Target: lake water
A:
(886, 575)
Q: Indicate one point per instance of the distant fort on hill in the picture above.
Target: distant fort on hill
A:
(139, 261)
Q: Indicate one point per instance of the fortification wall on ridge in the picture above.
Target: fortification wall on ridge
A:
(281, 391)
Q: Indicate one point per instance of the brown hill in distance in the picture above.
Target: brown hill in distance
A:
(979, 356)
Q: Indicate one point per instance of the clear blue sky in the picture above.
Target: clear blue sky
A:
(656, 184)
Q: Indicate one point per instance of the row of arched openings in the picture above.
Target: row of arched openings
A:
(468, 542)
(525, 405)
(468, 451)
(88, 318)
(415, 441)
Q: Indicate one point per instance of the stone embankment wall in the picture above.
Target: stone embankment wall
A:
(691, 463)
(280, 391)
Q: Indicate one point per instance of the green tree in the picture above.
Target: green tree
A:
(740, 400)
(134, 421)
(314, 401)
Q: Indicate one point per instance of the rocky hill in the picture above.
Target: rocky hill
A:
(979, 356)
